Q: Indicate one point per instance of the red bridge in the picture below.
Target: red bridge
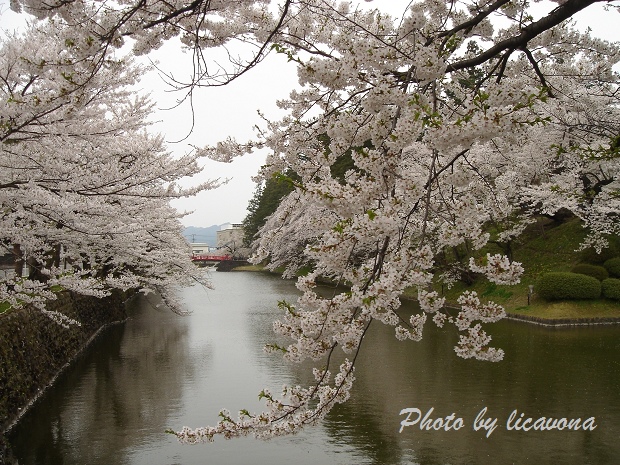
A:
(210, 258)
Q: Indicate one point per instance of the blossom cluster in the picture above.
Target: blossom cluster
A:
(498, 269)
(284, 415)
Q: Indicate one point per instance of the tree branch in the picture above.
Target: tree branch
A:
(468, 25)
(555, 17)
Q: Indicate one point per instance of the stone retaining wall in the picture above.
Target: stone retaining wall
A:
(228, 265)
(34, 349)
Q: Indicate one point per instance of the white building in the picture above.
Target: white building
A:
(230, 239)
(200, 248)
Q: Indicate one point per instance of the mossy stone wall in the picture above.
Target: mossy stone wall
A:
(34, 349)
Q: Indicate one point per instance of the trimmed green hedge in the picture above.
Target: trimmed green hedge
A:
(613, 266)
(568, 286)
(598, 272)
(611, 288)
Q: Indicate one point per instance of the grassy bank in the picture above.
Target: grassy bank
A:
(543, 248)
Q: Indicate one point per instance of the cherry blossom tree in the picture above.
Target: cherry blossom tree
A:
(453, 117)
(84, 188)
(452, 126)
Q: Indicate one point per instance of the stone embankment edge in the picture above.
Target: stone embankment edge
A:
(551, 323)
(556, 322)
(563, 321)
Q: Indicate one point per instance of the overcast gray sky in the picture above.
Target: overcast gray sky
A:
(221, 112)
(232, 111)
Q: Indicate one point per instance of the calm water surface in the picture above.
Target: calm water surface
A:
(160, 371)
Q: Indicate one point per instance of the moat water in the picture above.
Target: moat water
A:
(160, 371)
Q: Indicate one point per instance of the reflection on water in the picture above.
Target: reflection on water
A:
(114, 397)
(161, 371)
(572, 372)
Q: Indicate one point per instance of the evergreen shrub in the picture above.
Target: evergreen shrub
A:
(598, 272)
(611, 288)
(613, 267)
(568, 286)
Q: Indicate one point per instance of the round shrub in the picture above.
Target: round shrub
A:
(568, 286)
(613, 267)
(611, 288)
(598, 272)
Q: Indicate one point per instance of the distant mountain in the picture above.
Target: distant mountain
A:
(204, 235)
